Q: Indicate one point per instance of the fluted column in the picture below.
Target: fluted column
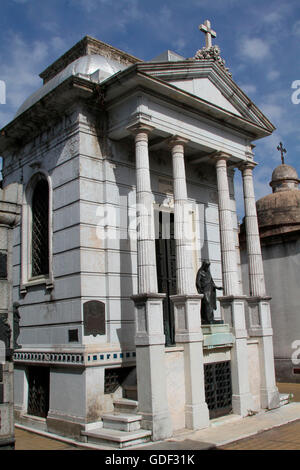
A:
(147, 275)
(187, 303)
(184, 248)
(149, 338)
(228, 249)
(255, 263)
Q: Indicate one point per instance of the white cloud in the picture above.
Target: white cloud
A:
(20, 70)
(248, 88)
(274, 112)
(179, 44)
(273, 75)
(255, 48)
(296, 28)
(58, 43)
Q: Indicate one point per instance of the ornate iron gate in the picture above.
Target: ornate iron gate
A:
(218, 390)
(166, 272)
(38, 393)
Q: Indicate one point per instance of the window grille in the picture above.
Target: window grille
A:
(114, 378)
(40, 229)
(38, 391)
(218, 391)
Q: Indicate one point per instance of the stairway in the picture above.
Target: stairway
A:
(285, 398)
(121, 428)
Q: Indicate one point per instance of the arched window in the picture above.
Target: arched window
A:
(40, 229)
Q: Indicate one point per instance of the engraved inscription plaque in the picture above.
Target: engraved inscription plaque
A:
(3, 266)
(94, 318)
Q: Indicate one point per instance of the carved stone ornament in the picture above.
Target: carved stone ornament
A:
(212, 52)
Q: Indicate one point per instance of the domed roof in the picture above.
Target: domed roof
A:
(279, 212)
(284, 178)
(85, 66)
(284, 171)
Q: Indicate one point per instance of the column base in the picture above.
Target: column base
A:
(270, 399)
(158, 423)
(187, 318)
(196, 416)
(242, 404)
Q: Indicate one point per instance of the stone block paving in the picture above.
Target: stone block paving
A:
(29, 441)
(286, 437)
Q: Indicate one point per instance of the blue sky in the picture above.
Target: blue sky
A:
(259, 40)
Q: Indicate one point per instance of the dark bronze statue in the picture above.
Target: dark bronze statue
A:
(16, 324)
(5, 331)
(206, 286)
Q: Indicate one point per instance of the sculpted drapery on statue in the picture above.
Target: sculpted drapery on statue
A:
(206, 286)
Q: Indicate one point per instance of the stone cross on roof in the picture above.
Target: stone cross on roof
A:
(282, 151)
(209, 33)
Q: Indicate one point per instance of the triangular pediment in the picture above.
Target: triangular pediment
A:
(203, 88)
(210, 82)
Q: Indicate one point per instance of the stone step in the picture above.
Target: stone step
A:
(117, 439)
(285, 398)
(124, 405)
(130, 391)
(121, 421)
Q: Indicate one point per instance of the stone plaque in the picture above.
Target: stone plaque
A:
(94, 318)
(3, 266)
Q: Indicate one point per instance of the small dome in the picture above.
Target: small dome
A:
(284, 178)
(85, 66)
(284, 171)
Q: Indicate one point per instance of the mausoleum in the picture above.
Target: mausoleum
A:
(126, 169)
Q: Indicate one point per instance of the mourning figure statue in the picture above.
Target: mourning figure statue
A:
(16, 324)
(5, 331)
(206, 286)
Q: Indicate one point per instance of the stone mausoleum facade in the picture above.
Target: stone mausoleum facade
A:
(126, 169)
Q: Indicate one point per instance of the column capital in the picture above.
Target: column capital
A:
(177, 140)
(247, 165)
(220, 156)
(140, 127)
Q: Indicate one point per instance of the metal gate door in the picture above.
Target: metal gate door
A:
(166, 272)
(38, 393)
(218, 390)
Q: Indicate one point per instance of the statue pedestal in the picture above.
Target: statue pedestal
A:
(150, 365)
(188, 332)
(233, 312)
